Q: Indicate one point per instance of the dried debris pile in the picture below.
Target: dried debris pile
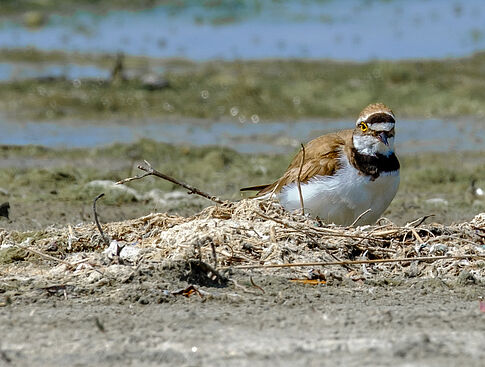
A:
(254, 233)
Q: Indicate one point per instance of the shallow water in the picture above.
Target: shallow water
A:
(20, 71)
(269, 137)
(351, 30)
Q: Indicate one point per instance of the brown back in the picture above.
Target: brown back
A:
(321, 158)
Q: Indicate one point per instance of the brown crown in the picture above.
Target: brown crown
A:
(374, 109)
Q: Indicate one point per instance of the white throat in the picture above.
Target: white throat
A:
(370, 145)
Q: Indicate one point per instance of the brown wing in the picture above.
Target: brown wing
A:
(254, 188)
(321, 158)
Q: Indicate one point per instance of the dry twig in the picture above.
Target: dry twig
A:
(322, 231)
(360, 216)
(255, 285)
(243, 288)
(417, 222)
(299, 179)
(150, 171)
(356, 262)
(41, 254)
(105, 239)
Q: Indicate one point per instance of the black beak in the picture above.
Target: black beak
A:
(383, 137)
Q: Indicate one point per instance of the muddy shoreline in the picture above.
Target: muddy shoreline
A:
(416, 323)
(160, 303)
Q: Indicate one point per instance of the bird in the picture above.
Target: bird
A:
(477, 192)
(348, 177)
(475, 195)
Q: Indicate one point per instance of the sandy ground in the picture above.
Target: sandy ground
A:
(135, 320)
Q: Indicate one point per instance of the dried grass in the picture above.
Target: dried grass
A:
(252, 232)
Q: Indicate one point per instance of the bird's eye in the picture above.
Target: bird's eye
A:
(363, 126)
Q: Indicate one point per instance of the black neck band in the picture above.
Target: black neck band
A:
(374, 165)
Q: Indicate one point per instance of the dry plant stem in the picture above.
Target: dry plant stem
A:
(360, 216)
(243, 288)
(299, 181)
(45, 256)
(357, 262)
(417, 222)
(255, 285)
(105, 239)
(318, 230)
(150, 171)
(417, 236)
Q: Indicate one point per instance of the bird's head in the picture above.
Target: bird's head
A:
(374, 130)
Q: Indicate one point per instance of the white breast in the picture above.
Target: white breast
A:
(341, 198)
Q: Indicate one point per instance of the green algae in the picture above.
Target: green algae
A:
(266, 90)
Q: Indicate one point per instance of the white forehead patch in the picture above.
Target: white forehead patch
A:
(382, 126)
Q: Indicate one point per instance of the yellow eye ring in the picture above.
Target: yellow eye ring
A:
(363, 126)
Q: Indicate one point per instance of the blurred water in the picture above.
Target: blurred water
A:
(271, 137)
(352, 29)
(19, 71)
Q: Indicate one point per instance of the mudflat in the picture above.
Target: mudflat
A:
(408, 323)
(47, 186)
(171, 290)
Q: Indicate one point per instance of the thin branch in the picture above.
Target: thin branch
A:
(150, 171)
(41, 254)
(255, 285)
(322, 231)
(417, 222)
(47, 256)
(360, 216)
(417, 236)
(243, 288)
(105, 239)
(299, 179)
(357, 262)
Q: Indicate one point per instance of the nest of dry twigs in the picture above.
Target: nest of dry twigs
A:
(254, 233)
